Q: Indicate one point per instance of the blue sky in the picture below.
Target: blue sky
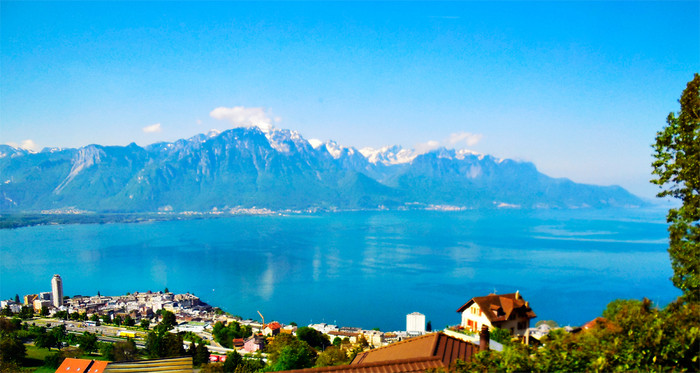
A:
(578, 88)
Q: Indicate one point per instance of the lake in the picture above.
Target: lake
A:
(366, 269)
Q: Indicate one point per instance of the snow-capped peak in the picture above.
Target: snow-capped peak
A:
(389, 155)
(282, 139)
(315, 143)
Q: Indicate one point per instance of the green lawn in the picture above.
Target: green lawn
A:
(35, 359)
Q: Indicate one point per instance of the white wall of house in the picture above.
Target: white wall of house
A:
(477, 318)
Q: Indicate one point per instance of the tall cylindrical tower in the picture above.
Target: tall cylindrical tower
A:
(57, 291)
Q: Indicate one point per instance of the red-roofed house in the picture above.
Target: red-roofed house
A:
(505, 311)
(272, 328)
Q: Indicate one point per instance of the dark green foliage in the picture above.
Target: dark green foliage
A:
(287, 352)
(88, 342)
(224, 334)
(106, 349)
(313, 337)
(429, 326)
(502, 336)
(8, 326)
(46, 340)
(12, 349)
(677, 166)
(233, 360)
(201, 355)
(128, 321)
(145, 323)
(27, 312)
(236, 363)
(126, 351)
(160, 343)
(337, 341)
(168, 319)
(117, 320)
(54, 360)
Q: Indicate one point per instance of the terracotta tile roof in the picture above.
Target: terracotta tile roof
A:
(273, 325)
(418, 365)
(446, 348)
(411, 355)
(501, 307)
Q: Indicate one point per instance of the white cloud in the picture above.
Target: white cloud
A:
(27, 144)
(455, 140)
(427, 146)
(152, 128)
(470, 139)
(241, 116)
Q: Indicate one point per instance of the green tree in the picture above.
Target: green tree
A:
(27, 312)
(287, 352)
(332, 356)
(106, 349)
(128, 321)
(161, 343)
(12, 349)
(677, 167)
(201, 354)
(125, 351)
(313, 337)
(46, 340)
(118, 320)
(233, 360)
(44, 311)
(168, 319)
(145, 323)
(88, 342)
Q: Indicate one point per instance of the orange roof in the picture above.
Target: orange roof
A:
(274, 325)
(409, 356)
(419, 365)
(71, 365)
(602, 321)
(501, 307)
(446, 348)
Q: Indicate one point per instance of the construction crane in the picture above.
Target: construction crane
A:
(263, 321)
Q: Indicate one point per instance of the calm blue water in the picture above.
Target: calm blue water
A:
(365, 269)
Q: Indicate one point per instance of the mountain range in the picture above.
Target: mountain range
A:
(278, 169)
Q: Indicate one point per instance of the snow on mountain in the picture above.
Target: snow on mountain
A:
(278, 169)
(389, 155)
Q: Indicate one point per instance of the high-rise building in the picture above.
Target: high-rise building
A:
(415, 322)
(57, 290)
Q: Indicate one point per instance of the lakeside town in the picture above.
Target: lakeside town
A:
(130, 317)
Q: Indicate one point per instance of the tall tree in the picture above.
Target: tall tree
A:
(677, 167)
